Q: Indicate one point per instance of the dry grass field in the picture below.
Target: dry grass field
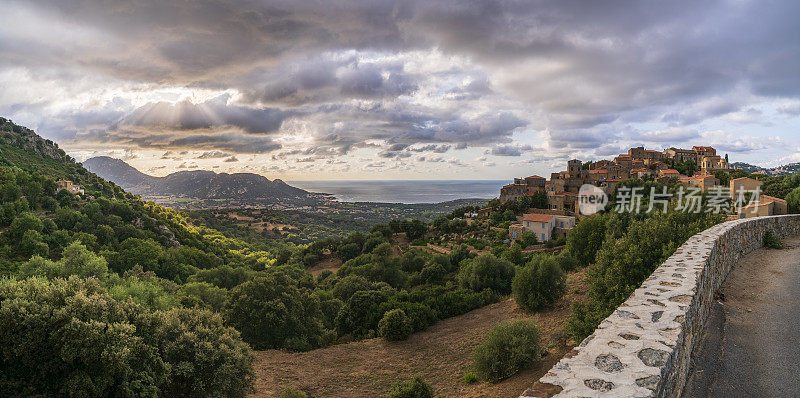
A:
(441, 354)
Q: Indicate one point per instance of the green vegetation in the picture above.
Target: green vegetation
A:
(540, 283)
(104, 292)
(634, 245)
(469, 378)
(771, 240)
(70, 337)
(395, 325)
(487, 272)
(414, 388)
(509, 347)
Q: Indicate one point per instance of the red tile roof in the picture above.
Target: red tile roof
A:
(670, 171)
(537, 217)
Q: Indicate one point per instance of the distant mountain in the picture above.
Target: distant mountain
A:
(790, 168)
(196, 184)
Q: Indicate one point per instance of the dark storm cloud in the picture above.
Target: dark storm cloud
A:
(355, 71)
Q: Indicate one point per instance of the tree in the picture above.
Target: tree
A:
(586, 239)
(508, 348)
(31, 243)
(361, 313)
(486, 272)
(135, 251)
(460, 253)
(271, 311)
(225, 276)
(793, 200)
(348, 251)
(514, 255)
(57, 345)
(206, 358)
(395, 325)
(75, 260)
(347, 286)
(23, 223)
(540, 283)
(68, 337)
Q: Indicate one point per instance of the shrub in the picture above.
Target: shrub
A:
(348, 251)
(771, 240)
(486, 272)
(291, 392)
(206, 357)
(414, 388)
(586, 239)
(360, 315)
(432, 273)
(567, 261)
(460, 253)
(469, 378)
(76, 260)
(347, 286)
(528, 238)
(633, 250)
(272, 311)
(509, 347)
(71, 338)
(395, 325)
(540, 283)
(793, 200)
(514, 255)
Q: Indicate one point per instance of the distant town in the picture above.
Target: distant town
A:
(694, 167)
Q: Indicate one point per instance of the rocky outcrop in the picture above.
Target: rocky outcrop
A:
(643, 348)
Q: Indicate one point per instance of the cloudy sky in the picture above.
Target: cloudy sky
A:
(309, 90)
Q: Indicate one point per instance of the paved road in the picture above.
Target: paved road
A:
(751, 345)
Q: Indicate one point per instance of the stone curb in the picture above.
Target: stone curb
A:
(643, 348)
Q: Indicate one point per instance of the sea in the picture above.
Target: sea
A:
(408, 192)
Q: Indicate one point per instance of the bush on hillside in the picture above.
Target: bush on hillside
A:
(395, 325)
(793, 200)
(71, 338)
(771, 240)
(509, 347)
(414, 388)
(469, 378)
(586, 239)
(627, 258)
(486, 272)
(528, 238)
(538, 284)
(347, 286)
(272, 311)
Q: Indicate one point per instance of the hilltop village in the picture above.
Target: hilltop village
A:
(692, 167)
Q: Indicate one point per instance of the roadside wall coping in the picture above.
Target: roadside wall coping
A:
(643, 349)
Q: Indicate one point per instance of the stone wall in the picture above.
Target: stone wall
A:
(643, 348)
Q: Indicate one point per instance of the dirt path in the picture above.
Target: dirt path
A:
(749, 345)
(441, 354)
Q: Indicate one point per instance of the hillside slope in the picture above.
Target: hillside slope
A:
(196, 184)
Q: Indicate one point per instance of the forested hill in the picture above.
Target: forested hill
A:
(196, 184)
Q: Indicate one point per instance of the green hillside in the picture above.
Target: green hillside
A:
(102, 292)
